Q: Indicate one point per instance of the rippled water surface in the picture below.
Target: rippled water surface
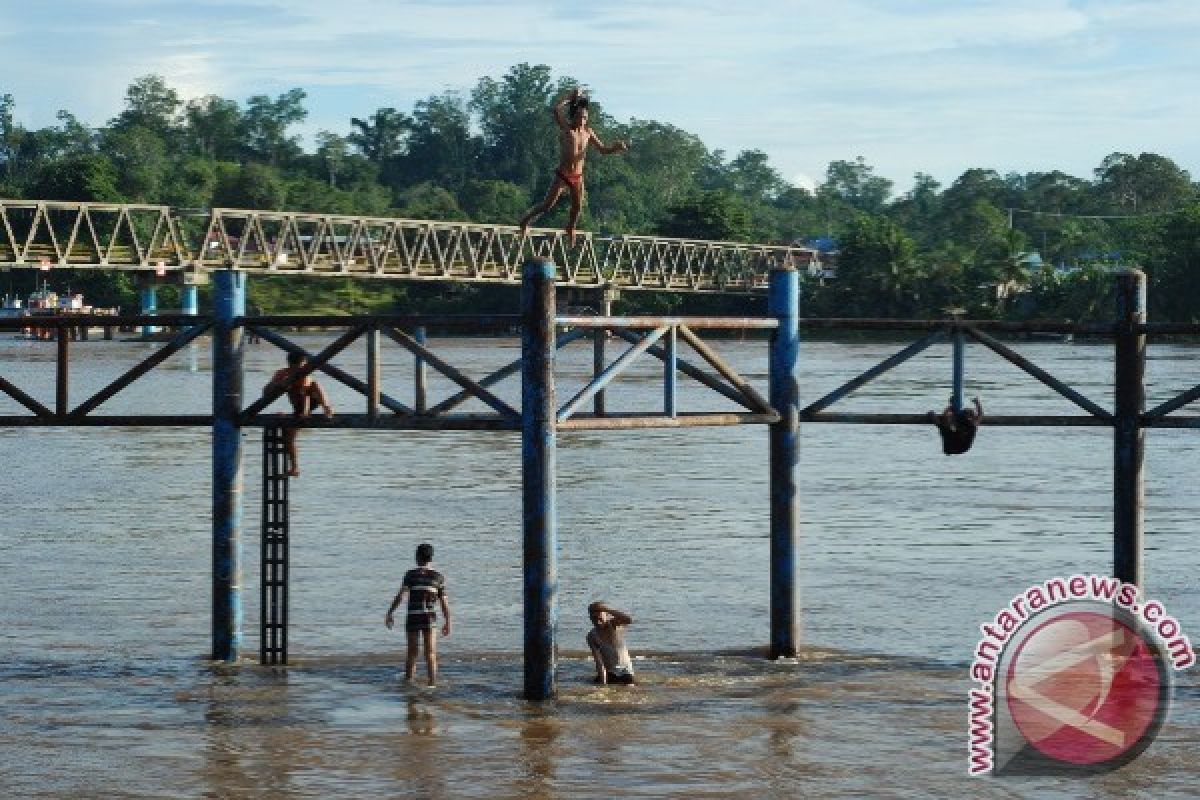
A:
(104, 617)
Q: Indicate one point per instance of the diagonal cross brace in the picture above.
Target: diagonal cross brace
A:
(338, 374)
(1174, 404)
(874, 372)
(417, 349)
(1033, 369)
(274, 391)
(692, 371)
(612, 371)
(758, 402)
(25, 400)
(161, 355)
(511, 368)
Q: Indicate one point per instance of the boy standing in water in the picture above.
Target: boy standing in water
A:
(426, 588)
(606, 640)
(574, 136)
(304, 394)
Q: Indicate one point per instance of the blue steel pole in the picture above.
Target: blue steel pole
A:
(149, 306)
(190, 300)
(1129, 438)
(229, 302)
(190, 305)
(958, 399)
(783, 303)
(540, 517)
(670, 373)
(420, 381)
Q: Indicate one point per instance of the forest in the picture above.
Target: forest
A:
(1039, 244)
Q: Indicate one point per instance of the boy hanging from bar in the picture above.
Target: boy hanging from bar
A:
(958, 428)
(426, 589)
(574, 137)
(304, 394)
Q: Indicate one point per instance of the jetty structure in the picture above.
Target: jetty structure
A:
(229, 246)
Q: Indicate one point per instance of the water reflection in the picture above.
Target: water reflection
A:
(539, 734)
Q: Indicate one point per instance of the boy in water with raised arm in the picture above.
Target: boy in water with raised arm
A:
(606, 640)
(426, 589)
(305, 394)
(574, 137)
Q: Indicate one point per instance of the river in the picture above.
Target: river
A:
(105, 562)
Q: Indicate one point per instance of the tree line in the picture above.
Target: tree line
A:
(488, 153)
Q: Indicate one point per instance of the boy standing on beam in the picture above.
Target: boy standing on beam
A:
(574, 137)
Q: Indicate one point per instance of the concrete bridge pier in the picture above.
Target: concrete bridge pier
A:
(149, 297)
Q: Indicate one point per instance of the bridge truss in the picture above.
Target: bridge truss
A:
(48, 234)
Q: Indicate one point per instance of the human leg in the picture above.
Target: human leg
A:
(576, 207)
(551, 200)
(430, 637)
(289, 447)
(601, 672)
(410, 661)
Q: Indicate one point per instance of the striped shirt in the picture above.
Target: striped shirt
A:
(425, 586)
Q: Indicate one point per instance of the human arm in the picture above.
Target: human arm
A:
(560, 106)
(396, 601)
(319, 397)
(616, 617)
(445, 613)
(618, 146)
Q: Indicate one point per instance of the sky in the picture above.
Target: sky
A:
(935, 86)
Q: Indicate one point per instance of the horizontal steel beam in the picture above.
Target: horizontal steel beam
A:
(998, 421)
(732, 323)
(636, 421)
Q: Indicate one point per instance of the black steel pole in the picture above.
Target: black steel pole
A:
(1129, 438)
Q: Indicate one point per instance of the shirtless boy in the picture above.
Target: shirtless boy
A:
(304, 394)
(606, 640)
(574, 137)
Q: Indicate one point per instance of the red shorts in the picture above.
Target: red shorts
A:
(572, 179)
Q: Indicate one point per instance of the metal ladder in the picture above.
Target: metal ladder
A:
(274, 572)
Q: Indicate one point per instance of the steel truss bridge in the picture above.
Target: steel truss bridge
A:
(159, 239)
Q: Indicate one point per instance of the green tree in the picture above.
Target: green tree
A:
(151, 104)
(140, 158)
(1174, 292)
(878, 273)
(1148, 182)
(266, 124)
(494, 202)
(717, 214)
(213, 127)
(380, 137)
(519, 139)
(80, 177)
(855, 184)
(250, 186)
(441, 147)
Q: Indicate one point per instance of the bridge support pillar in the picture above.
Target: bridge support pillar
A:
(607, 297)
(783, 303)
(189, 296)
(149, 303)
(1129, 438)
(538, 444)
(229, 302)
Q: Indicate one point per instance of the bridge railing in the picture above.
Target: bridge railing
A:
(50, 234)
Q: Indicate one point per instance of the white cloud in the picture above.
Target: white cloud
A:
(938, 86)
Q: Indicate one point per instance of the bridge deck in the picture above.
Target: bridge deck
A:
(49, 234)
